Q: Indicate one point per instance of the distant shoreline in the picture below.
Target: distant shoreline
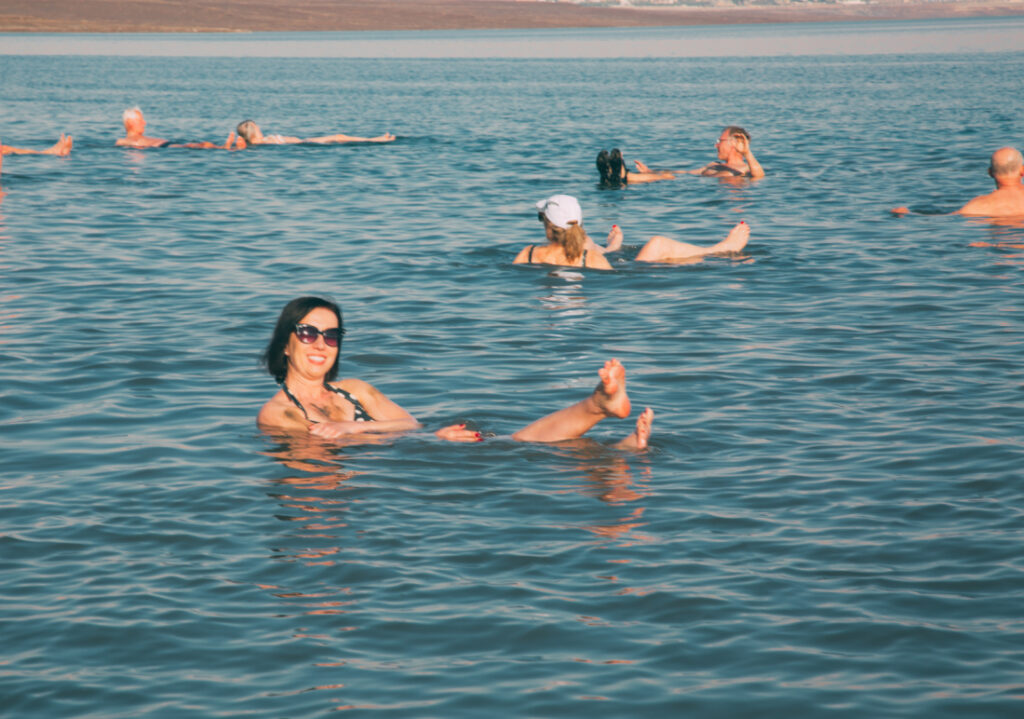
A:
(199, 16)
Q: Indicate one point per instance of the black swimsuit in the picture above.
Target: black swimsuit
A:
(529, 258)
(361, 415)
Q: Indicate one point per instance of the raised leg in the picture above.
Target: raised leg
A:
(609, 399)
(664, 249)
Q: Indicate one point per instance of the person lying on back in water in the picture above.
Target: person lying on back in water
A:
(251, 133)
(735, 160)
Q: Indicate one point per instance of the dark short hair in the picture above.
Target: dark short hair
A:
(736, 130)
(273, 357)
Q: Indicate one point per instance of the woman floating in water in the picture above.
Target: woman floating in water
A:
(569, 245)
(303, 354)
(735, 160)
(250, 132)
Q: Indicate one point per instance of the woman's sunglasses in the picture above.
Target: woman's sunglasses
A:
(307, 335)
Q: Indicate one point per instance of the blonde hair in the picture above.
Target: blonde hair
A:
(572, 239)
(246, 130)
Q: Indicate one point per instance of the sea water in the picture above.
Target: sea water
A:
(828, 521)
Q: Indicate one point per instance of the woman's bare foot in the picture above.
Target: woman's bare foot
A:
(736, 240)
(61, 148)
(614, 239)
(610, 396)
(639, 438)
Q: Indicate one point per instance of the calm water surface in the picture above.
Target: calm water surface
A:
(829, 519)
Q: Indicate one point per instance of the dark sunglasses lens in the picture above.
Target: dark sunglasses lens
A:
(306, 333)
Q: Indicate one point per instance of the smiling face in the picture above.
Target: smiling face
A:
(314, 360)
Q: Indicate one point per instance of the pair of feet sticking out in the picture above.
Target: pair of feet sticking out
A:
(609, 399)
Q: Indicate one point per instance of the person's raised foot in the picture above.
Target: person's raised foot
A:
(60, 148)
(614, 239)
(643, 427)
(736, 240)
(610, 396)
(639, 438)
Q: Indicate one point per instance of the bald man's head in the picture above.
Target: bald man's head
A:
(1006, 161)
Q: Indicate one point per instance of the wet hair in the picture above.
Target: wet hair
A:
(274, 358)
(737, 130)
(246, 130)
(572, 239)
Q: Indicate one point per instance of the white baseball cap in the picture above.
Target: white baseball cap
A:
(561, 210)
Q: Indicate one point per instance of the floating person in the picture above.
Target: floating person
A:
(61, 148)
(612, 169)
(568, 244)
(135, 132)
(135, 136)
(250, 132)
(735, 160)
(1006, 168)
(303, 354)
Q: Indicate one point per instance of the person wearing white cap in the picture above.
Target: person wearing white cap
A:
(568, 244)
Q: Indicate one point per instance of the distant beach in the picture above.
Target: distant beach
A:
(353, 15)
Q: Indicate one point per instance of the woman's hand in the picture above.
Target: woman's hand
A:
(458, 433)
(335, 430)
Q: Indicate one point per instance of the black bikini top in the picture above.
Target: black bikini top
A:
(529, 257)
(361, 415)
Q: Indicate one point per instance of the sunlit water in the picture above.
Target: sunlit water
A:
(828, 521)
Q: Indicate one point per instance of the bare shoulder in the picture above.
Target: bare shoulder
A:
(360, 389)
(280, 413)
(523, 256)
(981, 205)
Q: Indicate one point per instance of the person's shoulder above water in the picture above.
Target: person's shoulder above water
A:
(1006, 168)
(568, 244)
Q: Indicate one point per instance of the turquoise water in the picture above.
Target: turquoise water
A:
(828, 521)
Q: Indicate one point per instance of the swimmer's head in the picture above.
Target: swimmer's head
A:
(274, 358)
(1006, 161)
(560, 210)
(249, 131)
(563, 221)
(133, 120)
(734, 130)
